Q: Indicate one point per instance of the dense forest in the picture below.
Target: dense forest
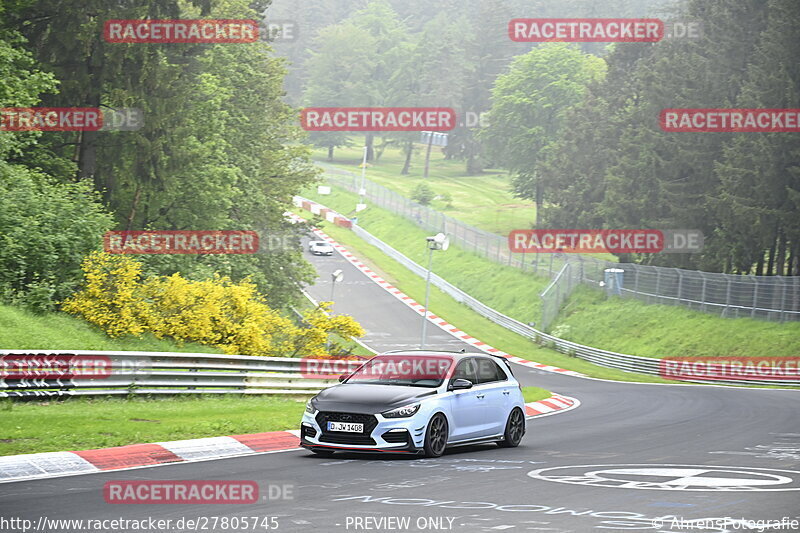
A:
(577, 125)
(219, 148)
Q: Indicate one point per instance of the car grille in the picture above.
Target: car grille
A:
(339, 437)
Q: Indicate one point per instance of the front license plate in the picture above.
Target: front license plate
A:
(348, 427)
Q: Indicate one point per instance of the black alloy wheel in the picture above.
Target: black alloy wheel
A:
(515, 429)
(436, 436)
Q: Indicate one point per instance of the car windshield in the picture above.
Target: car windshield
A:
(407, 370)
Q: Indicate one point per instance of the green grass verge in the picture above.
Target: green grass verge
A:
(23, 330)
(484, 200)
(465, 318)
(631, 326)
(30, 427)
(534, 394)
(620, 325)
(485, 280)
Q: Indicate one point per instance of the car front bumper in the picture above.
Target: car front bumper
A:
(413, 428)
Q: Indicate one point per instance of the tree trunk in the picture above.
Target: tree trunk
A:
(780, 259)
(370, 150)
(407, 164)
(794, 261)
(87, 151)
(134, 206)
(796, 271)
(428, 157)
(539, 202)
(771, 256)
(87, 158)
(474, 165)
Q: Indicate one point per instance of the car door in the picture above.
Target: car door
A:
(467, 407)
(494, 385)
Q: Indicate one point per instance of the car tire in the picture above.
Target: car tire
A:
(436, 436)
(323, 453)
(515, 429)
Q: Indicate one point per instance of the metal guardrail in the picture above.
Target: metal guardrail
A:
(170, 373)
(608, 359)
(774, 298)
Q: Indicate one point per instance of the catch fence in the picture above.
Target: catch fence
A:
(774, 298)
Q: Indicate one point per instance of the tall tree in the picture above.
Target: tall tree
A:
(529, 106)
(219, 148)
(339, 70)
(759, 173)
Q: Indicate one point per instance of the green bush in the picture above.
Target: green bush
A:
(46, 229)
(447, 199)
(423, 194)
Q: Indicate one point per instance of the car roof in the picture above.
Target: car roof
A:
(455, 355)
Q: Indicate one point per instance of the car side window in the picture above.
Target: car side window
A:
(466, 369)
(488, 371)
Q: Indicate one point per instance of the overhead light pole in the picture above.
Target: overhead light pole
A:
(438, 242)
(362, 191)
(336, 277)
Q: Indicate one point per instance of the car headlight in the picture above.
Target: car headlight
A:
(310, 409)
(402, 412)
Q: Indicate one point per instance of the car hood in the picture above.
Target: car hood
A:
(368, 399)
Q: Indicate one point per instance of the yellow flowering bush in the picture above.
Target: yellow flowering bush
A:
(231, 316)
(112, 296)
(311, 341)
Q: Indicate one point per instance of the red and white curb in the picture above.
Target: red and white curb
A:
(418, 307)
(556, 403)
(58, 464)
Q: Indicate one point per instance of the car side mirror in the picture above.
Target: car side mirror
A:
(343, 377)
(460, 384)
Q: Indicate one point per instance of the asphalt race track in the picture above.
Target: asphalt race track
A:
(389, 324)
(628, 455)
